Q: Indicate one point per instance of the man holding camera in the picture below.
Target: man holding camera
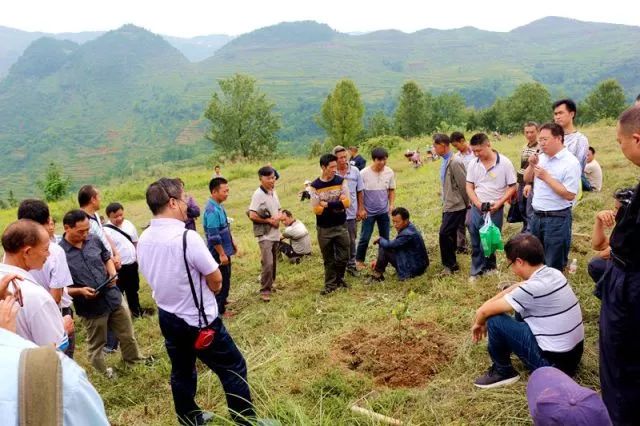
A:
(184, 278)
(491, 182)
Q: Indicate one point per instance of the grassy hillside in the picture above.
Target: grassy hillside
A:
(128, 99)
(302, 349)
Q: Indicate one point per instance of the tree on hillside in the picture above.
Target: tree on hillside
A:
(12, 200)
(242, 119)
(411, 113)
(605, 101)
(341, 114)
(55, 186)
(448, 109)
(378, 125)
(529, 102)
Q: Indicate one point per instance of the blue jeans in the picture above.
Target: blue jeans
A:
(479, 263)
(555, 235)
(367, 229)
(506, 336)
(222, 357)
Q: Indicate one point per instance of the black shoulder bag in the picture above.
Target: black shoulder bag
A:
(205, 334)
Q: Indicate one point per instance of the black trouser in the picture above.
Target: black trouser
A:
(221, 297)
(451, 222)
(619, 343)
(222, 357)
(72, 337)
(385, 257)
(129, 284)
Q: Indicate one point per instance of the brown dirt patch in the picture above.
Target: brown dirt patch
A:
(408, 359)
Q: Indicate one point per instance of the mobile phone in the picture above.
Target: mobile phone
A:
(105, 283)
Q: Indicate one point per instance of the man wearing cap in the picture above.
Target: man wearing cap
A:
(619, 292)
(351, 174)
(547, 328)
(555, 399)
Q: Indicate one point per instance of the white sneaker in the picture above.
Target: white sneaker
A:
(490, 272)
(473, 279)
(109, 373)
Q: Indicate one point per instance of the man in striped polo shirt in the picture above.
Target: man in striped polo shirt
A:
(547, 329)
(329, 201)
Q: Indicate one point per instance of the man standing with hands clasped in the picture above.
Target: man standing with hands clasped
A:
(556, 176)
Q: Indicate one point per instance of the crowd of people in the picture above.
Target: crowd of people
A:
(47, 281)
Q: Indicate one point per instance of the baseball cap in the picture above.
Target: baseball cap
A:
(555, 399)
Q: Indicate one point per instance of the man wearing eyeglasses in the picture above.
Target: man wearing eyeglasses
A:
(185, 279)
(555, 174)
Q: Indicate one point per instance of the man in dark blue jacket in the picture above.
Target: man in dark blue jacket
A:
(407, 252)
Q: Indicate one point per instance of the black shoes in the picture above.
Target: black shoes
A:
(493, 379)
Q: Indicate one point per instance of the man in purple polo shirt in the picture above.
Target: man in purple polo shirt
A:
(187, 305)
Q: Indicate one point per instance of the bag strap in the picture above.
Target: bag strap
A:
(115, 228)
(202, 316)
(40, 387)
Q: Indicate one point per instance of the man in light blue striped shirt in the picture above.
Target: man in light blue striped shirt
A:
(547, 329)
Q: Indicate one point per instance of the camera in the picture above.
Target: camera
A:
(204, 339)
(485, 207)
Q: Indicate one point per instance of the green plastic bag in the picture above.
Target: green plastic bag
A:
(490, 237)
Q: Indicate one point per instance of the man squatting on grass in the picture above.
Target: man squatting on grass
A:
(184, 278)
(547, 329)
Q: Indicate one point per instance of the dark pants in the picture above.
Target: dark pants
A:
(352, 227)
(222, 357)
(461, 236)
(221, 297)
(596, 268)
(479, 263)
(619, 343)
(268, 261)
(334, 245)
(367, 229)
(586, 186)
(385, 257)
(451, 222)
(508, 335)
(72, 337)
(524, 204)
(129, 284)
(555, 234)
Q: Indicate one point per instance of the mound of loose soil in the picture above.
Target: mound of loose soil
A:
(396, 358)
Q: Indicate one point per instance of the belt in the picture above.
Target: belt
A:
(553, 213)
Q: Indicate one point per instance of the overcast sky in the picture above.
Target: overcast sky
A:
(187, 18)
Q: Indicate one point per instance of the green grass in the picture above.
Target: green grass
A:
(289, 344)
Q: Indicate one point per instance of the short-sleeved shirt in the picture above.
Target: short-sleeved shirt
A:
(161, 259)
(527, 151)
(81, 403)
(550, 308)
(263, 200)
(216, 228)
(39, 319)
(564, 168)
(625, 237)
(125, 247)
(354, 181)
(467, 157)
(87, 266)
(299, 236)
(95, 228)
(332, 192)
(55, 273)
(593, 172)
(376, 189)
(491, 184)
(578, 145)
